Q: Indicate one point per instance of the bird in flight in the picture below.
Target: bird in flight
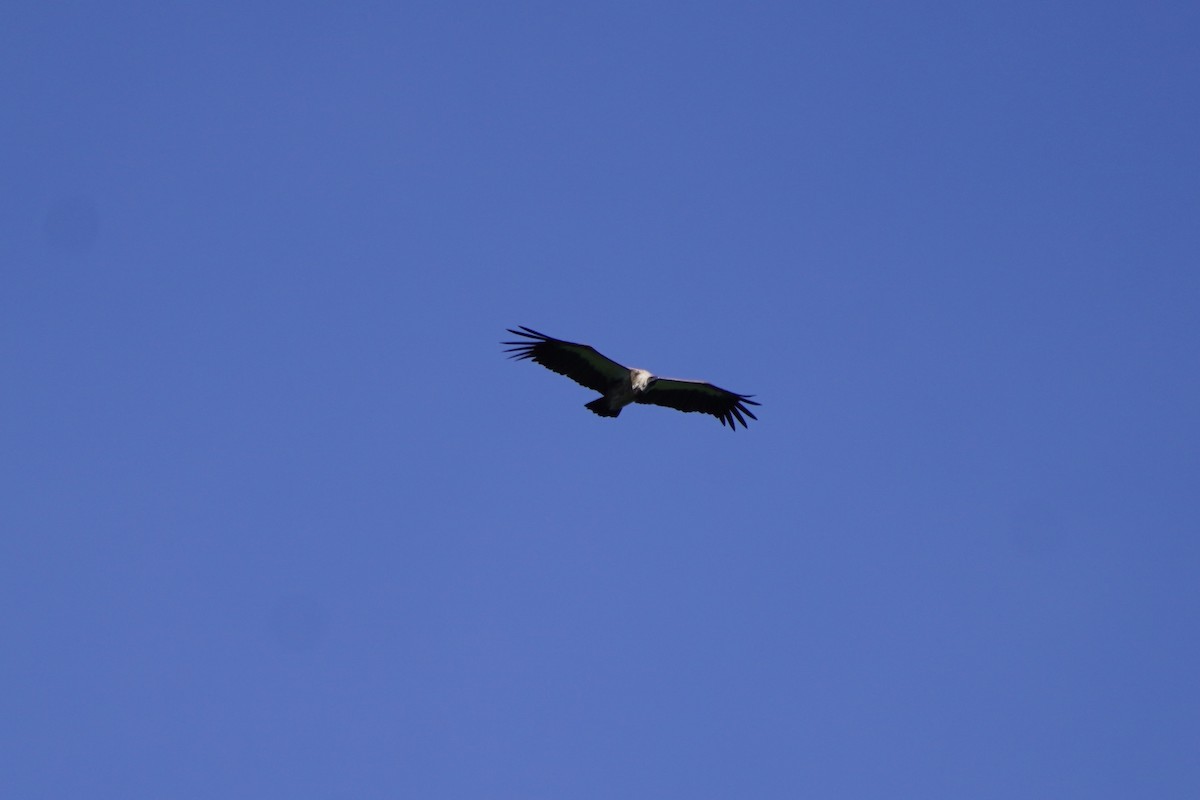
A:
(619, 385)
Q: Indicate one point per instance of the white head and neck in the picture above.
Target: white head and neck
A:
(640, 379)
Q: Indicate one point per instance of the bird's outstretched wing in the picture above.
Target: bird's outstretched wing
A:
(579, 362)
(727, 406)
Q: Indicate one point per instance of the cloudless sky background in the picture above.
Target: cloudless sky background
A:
(280, 521)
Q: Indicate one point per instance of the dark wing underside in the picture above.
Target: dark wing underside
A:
(729, 407)
(579, 362)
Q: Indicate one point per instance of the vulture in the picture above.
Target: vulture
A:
(619, 385)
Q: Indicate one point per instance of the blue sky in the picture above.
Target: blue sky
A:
(281, 521)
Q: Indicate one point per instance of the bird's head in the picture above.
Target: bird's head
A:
(641, 380)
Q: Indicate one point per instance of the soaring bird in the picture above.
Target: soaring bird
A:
(619, 385)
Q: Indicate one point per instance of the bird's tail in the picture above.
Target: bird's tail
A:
(600, 406)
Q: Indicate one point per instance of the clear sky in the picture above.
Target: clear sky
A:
(280, 521)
